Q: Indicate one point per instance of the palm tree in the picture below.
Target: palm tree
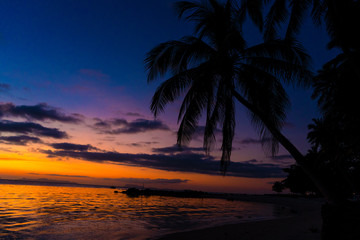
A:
(216, 67)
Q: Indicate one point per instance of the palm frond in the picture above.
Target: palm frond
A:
(283, 58)
(215, 113)
(176, 56)
(298, 10)
(253, 8)
(318, 11)
(228, 129)
(171, 89)
(184, 6)
(272, 104)
(192, 110)
(277, 15)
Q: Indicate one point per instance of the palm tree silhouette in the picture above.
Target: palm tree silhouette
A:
(216, 67)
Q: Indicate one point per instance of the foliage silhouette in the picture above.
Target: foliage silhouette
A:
(216, 67)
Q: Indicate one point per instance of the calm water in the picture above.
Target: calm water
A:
(46, 212)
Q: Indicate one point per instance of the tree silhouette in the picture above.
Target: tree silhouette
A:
(216, 67)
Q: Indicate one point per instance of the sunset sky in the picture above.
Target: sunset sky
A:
(74, 101)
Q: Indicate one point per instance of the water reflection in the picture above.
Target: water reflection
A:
(41, 212)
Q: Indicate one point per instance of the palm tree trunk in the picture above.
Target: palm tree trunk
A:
(296, 154)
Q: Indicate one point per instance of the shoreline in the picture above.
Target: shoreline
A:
(303, 223)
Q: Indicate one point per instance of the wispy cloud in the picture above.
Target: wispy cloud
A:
(282, 157)
(122, 180)
(93, 73)
(179, 162)
(39, 112)
(31, 128)
(72, 146)
(149, 181)
(19, 140)
(4, 87)
(141, 144)
(122, 126)
(133, 114)
(176, 149)
(253, 141)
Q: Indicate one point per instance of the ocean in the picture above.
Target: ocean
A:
(48, 212)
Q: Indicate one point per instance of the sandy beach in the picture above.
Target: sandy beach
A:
(304, 222)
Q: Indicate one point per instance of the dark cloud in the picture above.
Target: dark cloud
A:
(19, 140)
(124, 180)
(199, 133)
(141, 144)
(93, 73)
(282, 157)
(72, 147)
(122, 126)
(37, 112)
(59, 175)
(4, 87)
(132, 114)
(31, 128)
(141, 125)
(253, 141)
(149, 181)
(119, 122)
(251, 161)
(102, 124)
(180, 162)
(176, 149)
(283, 160)
(135, 144)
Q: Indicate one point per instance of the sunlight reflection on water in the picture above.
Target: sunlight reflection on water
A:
(46, 212)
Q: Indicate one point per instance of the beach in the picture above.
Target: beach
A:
(303, 223)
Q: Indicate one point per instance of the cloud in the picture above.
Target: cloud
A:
(282, 157)
(31, 128)
(4, 87)
(37, 112)
(149, 181)
(180, 162)
(19, 140)
(133, 114)
(251, 161)
(122, 126)
(253, 141)
(284, 160)
(176, 149)
(140, 144)
(109, 123)
(97, 74)
(124, 180)
(59, 175)
(72, 147)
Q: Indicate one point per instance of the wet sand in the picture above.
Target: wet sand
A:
(304, 222)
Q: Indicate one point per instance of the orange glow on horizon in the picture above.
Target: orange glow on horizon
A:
(108, 173)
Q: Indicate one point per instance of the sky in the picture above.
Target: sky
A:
(74, 101)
